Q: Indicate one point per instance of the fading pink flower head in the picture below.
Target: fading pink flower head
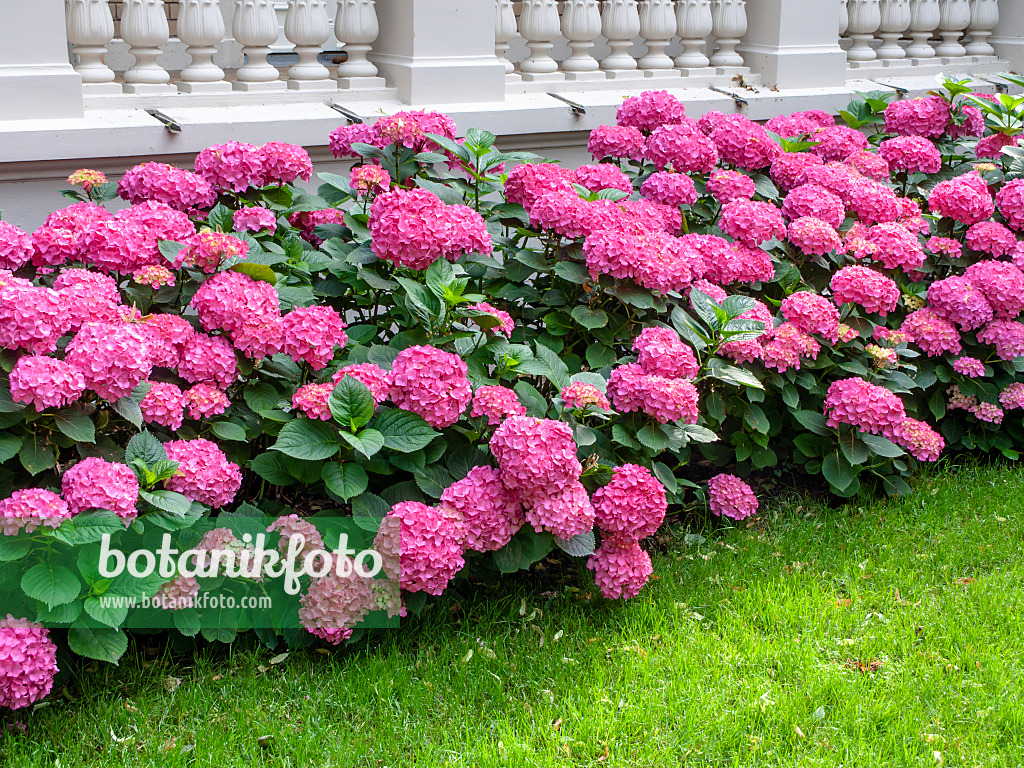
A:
(204, 401)
(945, 246)
(28, 662)
(431, 383)
(204, 472)
(208, 250)
(45, 382)
(334, 604)
(1012, 396)
(95, 483)
(989, 412)
(495, 404)
(87, 179)
(369, 179)
(306, 222)
(27, 509)
(867, 406)
(580, 396)
(971, 367)
(409, 128)
(154, 276)
(621, 568)
(731, 497)
(783, 348)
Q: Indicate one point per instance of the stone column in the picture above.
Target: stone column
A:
(794, 44)
(438, 52)
(1008, 37)
(36, 76)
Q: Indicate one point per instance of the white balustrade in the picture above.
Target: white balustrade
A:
(693, 24)
(865, 18)
(657, 28)
(620, 24)
(984, 18)
(954, 17)
(844, 17)
(924, 20)
(895, 19)
(144, 28)
(201, 28)
(730, 24)
(505, 30)
(307, 27)
(255, 27)
(356, 25)
(90, 30)
(539, 25)
(581, 24)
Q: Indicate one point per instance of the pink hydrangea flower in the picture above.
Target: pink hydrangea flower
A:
(334, 604)
(431, 383)
(681, 148)
(15, 247)
(409, 128)
(45, 382)
(873, 203)
(160, 222)
(838, 142)
(204, 401)
(928, 117)
(369, 179)
(895, 247)
(673, 189)
(944, 245)
(27, 509)
(164, 404)
(312, 334)
(1012, 396)
(307, 222)
(965, 199)
(113, 359)
(912, 154)
(32, 318)
(376, 379)
(166, 335)
(312, 400)
(180, 189)
(154, 276)
(431, 545)
(991, 147)
(751, 222)
(664, 400)
(787, 169)
(204, 472)
(870, 290)
(528, 182)
(992, 238)
(87, 179)
(663, 353)
(229, 300)
(739, 263)
(565, 214)
(867, 406)
(491, 513)
(1001, 283)
(799, 123)
(282, 163)
(1010, 200)
(603, 176)
(633, 505)
(565, 511)
(731, 497)
(618, 141)
(958, 300)
(989, 412)
(232, 167)
(505, 323)
(621, 568)
(208, 250)
(255, 219)
(1007, 336)
(725, 186)
(971, 367)
(495, 404)
(650, 110)
(580, 396)
(341, 139)
(292, 526)
(813, 237)
(783, 348)
(535, 453)
(209, 359)
(812, 313)
(28, 662)
(744, 143)
(177, 594)
(871, 165)
(94, 483)
(815, 201)
(931, 333)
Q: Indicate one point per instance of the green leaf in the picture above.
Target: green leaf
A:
(666, 478)
(97, 643)
(145, 447)
(573, 272)
(227, 430)
(260, 272)
(433, 480)
(128, 407)
(169, 249)
(88, 527)
(345, 480)
(653, 438)
(442, 191)
(12, 549)
(368, 442)
(168, 501)
(812, 421)
(438, 276)
(187, 621)
(881, 446)
(109, 612)
(698, 434)
(76, 425)
(403, 431)
(855, 451)
(705, 308)
(580, 545)
(9, 446)
(351, 404)
(261, 396)
(838, 471)
(755, 418)
(37, 456)
(368, 509)
(590, 318)
(508, 558)
(559, 371)
(50, 584)
(307, 439)
(268, 466)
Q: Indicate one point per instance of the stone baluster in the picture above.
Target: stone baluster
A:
(201, 28)
(255, 28)
(844, 17)
(924, 20)
(693, 24)
(895, 21)
(581, 24)
(865, 18)
(357, 26)
(657, 28)
(539, 24)
(306, 26)
(144, 28)
(505, 31)
(954, 16)
(90, 29)
(984, 18)
(620, 24)
(730, 24)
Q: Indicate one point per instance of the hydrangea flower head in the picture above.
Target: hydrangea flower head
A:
(209, 359)
(334, 604)
(27, 509)
(618, 141)
(491, 513)
(731, 497)
(752, 223)
(312, 334)
(1010, 200)
(113, 359)
(580, 396)
(1007, 336)
(681, 148)
(970, 367)
(725, 186)
(45, 382)
(28, 662)
(813, 237)
(650, 110)
(931, 333)
(228, 300)
(812, 313)
(505, 323)
(431, 383)
(283, 163)
(535, 454)
(495, 404)
(431, 545)
(928, 117)
(164, 404)
(15, 247)
(1001, 283)
(32, 318)
(815, 201)
(341, 139)
(313, 400)
(867, 406)
(178, 188)
(373, 376)
(603, 176)
(912, 154)
(673, 189)
(208, 250)
(565, 511)
(204, 401)
(958, 300)
(868, 289)
(621, 568)
(233, 166)
(95, 483)
(663, 353)
(204, 472)
(255, 219)
(965, 199)
(633, 505)
(369, 179)
(744, 143)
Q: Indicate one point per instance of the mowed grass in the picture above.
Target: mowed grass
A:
(882, 634)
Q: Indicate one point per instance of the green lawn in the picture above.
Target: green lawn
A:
(882, 635)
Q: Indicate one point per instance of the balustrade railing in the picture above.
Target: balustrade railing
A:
(546, 41)
(217, 46)
(918, 33)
